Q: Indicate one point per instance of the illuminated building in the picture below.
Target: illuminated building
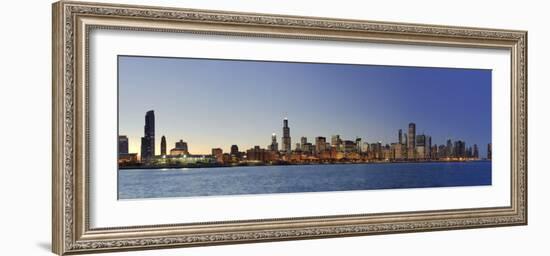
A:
(442, 151)
(428, 146)
(257, 154)
(320, 144)
(365, 147)
(185, 160)
(163, 146)
(122, 144)
(274, 146)
(376, 150)
(411, 147)
(178, 152)
(348, 146)
(399, 151)
(387, 152)
(459, 149)
(286, 136)
(336, 142)
(423, 146)
(127, 158)
(124, 157)
(148, 140)
(226, 158)
(450, 149)
(218, 154)
(308, 148)
(434, 152)
(358, 145)
(217, 151)
(420, 143)
(235, 154)
(180, 149)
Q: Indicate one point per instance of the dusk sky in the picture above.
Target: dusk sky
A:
(217, 103)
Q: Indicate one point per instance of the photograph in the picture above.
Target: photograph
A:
(190, 127)
(198, 125)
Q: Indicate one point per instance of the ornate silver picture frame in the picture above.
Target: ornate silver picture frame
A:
(74, 21)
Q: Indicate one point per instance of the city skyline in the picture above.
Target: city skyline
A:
(218, 117)
(408, 147)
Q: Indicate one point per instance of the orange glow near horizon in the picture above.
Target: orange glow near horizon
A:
(134, 146)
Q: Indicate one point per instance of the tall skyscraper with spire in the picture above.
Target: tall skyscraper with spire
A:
(286, 137)
(163, 146)
(148, 140)
(411, 147)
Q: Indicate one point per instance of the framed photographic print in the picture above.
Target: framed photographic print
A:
(179, 127)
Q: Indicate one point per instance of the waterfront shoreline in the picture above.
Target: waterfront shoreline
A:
(204, 166)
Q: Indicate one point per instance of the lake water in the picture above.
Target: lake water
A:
(156, 183)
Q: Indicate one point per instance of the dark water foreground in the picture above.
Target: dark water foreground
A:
(158, 183)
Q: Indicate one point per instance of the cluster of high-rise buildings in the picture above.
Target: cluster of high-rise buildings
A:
(410, 147)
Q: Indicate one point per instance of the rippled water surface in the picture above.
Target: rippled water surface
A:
(157, 183)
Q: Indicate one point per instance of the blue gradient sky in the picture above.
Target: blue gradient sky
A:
(217, 103)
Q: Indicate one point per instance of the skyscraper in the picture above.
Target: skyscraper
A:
(428, 146)
(450, 151)
(348, 146)
(274, 146)
(122, 144)
(320, 144)
(421, 146)
(489, 151)
(434, 152)
(411, 151)
(376, 150)
(365, 147)
(400, 136)
(459, 149)
(163, 146)
(358, 144)
(476, 152)
(148, 140)
(303, 142)
(336, 141)
(286, 136)
(442, 151)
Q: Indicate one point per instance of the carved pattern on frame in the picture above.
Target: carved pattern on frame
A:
(192, 15)
(294, 233)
